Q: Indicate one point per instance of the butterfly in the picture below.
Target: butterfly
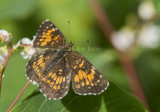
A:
(54, 65)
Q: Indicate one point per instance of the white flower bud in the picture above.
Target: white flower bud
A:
(123, 40)
(5, 36)
(3, 54)
(26, 41)
(149, 36)
(146, 10)
(28, 52)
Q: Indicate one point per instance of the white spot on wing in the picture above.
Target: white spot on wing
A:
(40, 90)
(93, 93)
(34, 82)
(45, 95)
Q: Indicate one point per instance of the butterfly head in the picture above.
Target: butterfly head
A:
(69, 46)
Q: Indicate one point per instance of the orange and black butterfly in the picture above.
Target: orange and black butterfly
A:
(56, 64)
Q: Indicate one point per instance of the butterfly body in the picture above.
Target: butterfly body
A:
(56, 64)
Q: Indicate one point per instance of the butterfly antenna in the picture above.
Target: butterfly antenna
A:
(83, 42)
(69, 29)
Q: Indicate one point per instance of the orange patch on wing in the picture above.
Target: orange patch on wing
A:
(76, 78)
(82, 83)
(57, 80)
(48, 33)
(34, 65)
(41, 39)
(92, 71)
(60, 70)
(64, 79)
(92, 76)
(52, 83)
(39, 62)
(37, 69)
(53, 75)
(48, 40)
(42, 65)
(60, 73)
(75, 67)
(80, 74)
(39, 75)
(92, 84)
(41, 58)
(53, 30)
(89, 78)
(48, 81)
(44, 79)
(58, 87)
(87, 82)
(60, 81)
(50, 74)
(43, 43)
(80, 65)
(47, 57)
(84, 74)
(56, 38)
(55, 87)
(52, 43)
(46, 37)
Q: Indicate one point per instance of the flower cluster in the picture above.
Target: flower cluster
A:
(28, 51)
(145, 34)
(5, 36)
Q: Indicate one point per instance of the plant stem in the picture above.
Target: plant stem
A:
(10, 50)
(133, 79)
(108, 30)
(18, 96)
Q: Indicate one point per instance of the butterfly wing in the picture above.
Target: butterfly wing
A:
(38, 62)
(56, 79)
(86, 79)
(49, 36)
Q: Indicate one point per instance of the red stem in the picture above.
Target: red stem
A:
(124, 57)
(5, 63)
(133, 79)
(18, 96)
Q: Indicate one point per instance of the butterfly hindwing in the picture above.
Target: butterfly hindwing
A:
(86, 79)
(55, 82)
(49, 36)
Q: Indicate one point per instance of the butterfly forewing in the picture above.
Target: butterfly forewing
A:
(49, 36)
(86, 79)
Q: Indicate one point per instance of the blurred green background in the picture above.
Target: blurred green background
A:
(135, 21)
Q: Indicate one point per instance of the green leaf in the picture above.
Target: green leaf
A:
(16, 9)
(113, 99)
(148, 72)
(157, 5)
